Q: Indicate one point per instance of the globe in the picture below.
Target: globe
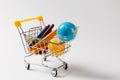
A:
(66, 31)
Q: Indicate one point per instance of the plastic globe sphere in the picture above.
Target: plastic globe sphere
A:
(66, 31)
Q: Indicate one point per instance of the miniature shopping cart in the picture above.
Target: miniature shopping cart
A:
(40, 46)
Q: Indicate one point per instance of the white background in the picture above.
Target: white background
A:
(95, 53)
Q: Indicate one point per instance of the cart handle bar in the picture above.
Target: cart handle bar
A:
(17, 23)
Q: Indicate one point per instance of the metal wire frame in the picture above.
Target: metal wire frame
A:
(32, 33)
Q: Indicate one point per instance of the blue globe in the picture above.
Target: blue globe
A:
(66, 31)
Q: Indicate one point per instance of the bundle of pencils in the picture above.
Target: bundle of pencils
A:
(47, 34)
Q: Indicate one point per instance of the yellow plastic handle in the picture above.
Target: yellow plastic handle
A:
(17, 23)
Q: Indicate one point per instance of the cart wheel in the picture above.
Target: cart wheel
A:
(28, 66)
(54, 72)
(45, 58)
(65, 66)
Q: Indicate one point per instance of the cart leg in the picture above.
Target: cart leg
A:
(45, 58)
(28, 66)
(65, 66)
(54, 72)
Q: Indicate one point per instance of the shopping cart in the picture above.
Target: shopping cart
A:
(40, 46)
